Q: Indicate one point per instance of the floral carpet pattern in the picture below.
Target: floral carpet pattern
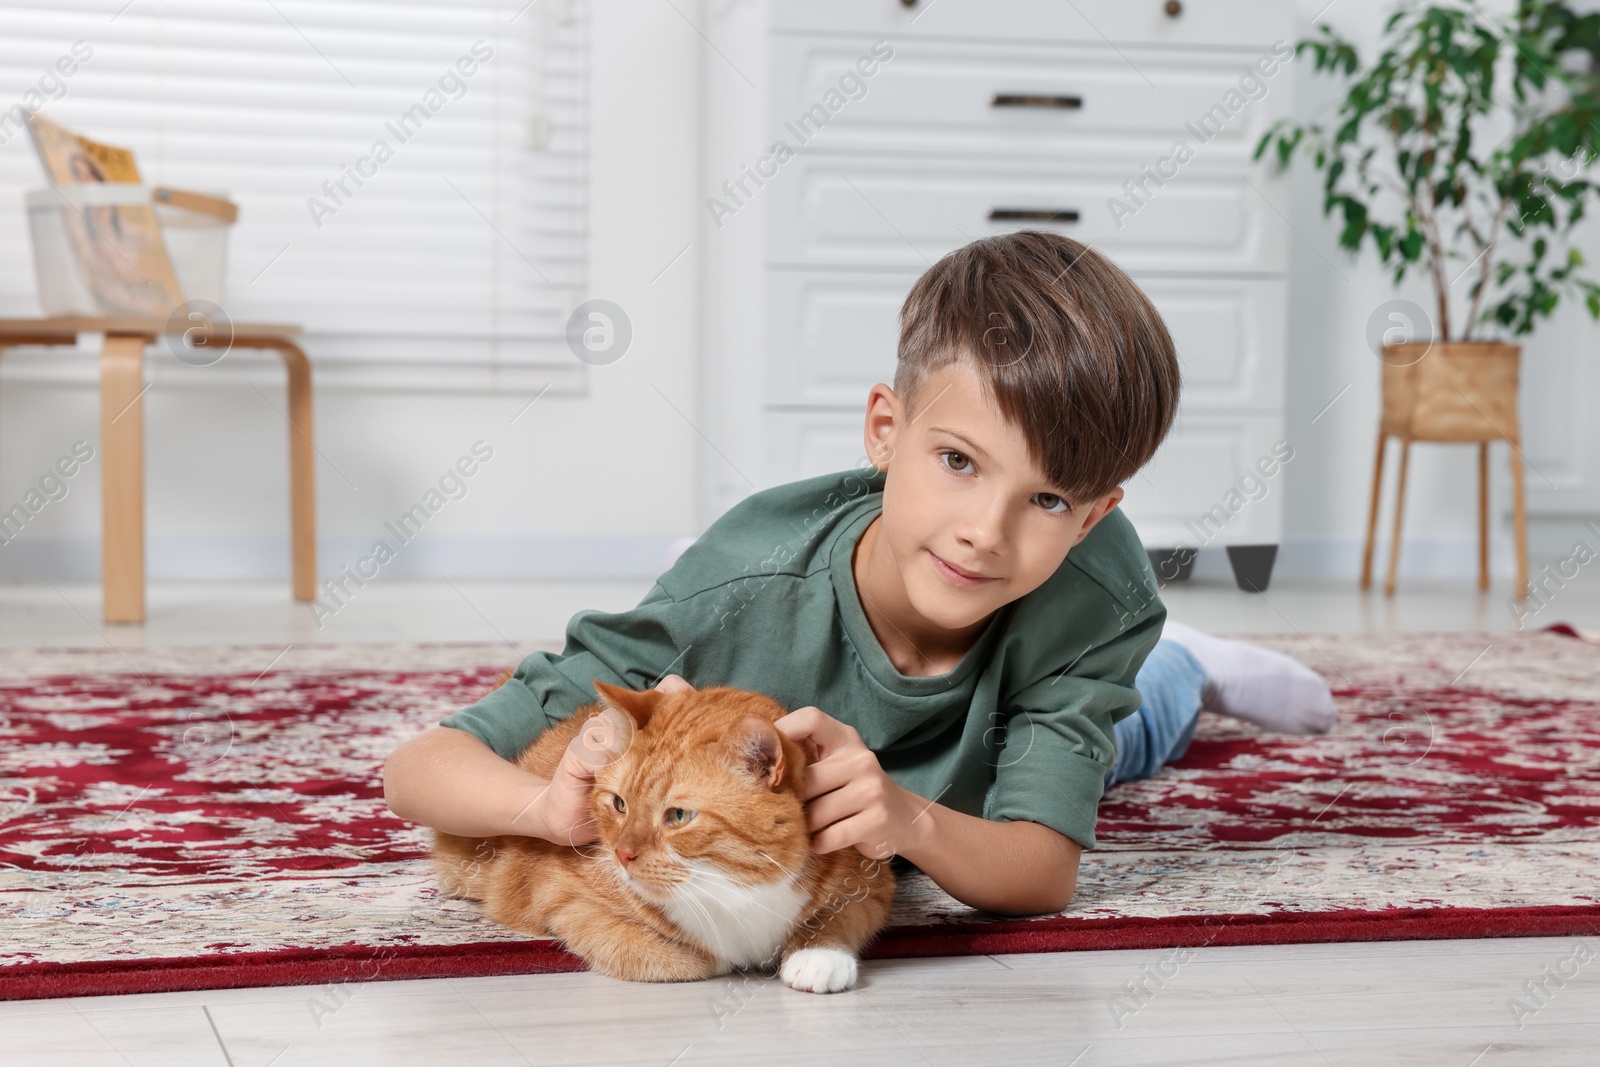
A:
(189, 818)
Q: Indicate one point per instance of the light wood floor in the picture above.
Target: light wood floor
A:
(1420, 1002)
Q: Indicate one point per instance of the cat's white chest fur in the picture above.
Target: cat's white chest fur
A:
(742, 925)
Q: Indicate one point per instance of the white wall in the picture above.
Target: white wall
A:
(1331, 297)
(597, 480)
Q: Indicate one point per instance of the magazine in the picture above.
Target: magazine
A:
(119, 246)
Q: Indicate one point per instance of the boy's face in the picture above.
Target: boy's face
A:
(969, 521)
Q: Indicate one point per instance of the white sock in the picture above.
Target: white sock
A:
(1257, 684)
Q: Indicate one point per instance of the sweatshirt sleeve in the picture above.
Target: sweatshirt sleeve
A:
(1060, 734)
(632, 648)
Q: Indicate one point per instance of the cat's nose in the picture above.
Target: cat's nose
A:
(626, 856)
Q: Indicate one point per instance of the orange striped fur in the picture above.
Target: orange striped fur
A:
(734, 886)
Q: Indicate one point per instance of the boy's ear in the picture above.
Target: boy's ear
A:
(638, 705)
(1101, 509)
(882, 422)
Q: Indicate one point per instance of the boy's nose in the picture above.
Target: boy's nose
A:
(983, 526)
(983, 535)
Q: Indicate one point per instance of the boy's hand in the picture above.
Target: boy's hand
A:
(850, 800)
(673, 684)
(564, 806)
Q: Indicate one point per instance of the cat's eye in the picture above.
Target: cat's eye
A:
(678, 816)
(620, 804)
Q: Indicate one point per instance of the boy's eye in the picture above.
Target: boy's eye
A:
(618, 803)
(955, 461)
(678, 816)
(1052, 503)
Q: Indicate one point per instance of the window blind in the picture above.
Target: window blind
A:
(412, 175)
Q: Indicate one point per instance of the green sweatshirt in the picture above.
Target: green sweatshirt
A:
(766, 600)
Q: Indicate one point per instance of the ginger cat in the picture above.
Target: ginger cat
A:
(703, 862)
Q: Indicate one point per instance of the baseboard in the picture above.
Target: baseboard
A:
(1339, 558)
(429, 556)
(580, 556)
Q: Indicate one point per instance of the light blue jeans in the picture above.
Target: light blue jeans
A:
(1160, 731)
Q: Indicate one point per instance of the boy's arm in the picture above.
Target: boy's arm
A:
(1022, 858)
(460, 778)
(1010, 868)
(1013, 868)
(451, 781)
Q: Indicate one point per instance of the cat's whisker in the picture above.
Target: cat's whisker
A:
(735, 885)
(732, 907)
(628, 894)
(725, 876)
(688, 900)
(723, 879)
(715, 874)
(776, 864)
(709, 887)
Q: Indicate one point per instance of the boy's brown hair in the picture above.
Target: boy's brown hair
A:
(1073, 353)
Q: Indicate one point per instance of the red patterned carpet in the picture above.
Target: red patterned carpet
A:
(200, 818)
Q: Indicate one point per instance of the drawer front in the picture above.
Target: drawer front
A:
(1206, 23)
(1207, 485)
(832, 335)
(828, 212)
(1204, 487)
(1020, 101)
(1230, 335)
(803, 444)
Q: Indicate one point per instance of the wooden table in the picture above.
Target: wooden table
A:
(122, 391)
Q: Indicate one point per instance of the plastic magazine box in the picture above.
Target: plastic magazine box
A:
(194, 228)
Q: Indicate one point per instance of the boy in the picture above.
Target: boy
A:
(965, 621)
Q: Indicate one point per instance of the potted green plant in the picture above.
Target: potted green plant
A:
(1462, 151)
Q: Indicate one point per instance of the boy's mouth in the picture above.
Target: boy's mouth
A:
(956, 575)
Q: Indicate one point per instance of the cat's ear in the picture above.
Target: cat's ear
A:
(753, 747)
(637, 704)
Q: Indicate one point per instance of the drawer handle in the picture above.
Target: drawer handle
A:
(1032, 214)
(1065, 103)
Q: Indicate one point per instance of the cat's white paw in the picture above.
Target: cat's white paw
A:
(819, 970)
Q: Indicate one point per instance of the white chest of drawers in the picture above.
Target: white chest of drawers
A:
(909, 130)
